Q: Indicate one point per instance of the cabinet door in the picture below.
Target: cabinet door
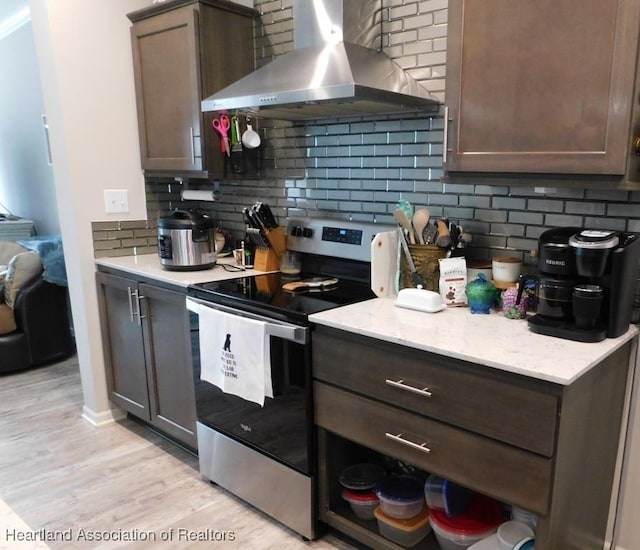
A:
(123, 344)
(540, 86)
(169, 367)
(167, 79)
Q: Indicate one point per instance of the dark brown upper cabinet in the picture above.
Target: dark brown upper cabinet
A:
(541, 86)
(184, 51)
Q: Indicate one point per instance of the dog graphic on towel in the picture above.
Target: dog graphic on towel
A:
(229, 365)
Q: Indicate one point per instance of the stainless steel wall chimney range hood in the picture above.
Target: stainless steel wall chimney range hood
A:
(333, 70)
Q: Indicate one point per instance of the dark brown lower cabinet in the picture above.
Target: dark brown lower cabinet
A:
(545, 447)
(147, 345)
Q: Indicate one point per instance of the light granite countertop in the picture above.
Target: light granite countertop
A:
(148, 265)
(491, 340)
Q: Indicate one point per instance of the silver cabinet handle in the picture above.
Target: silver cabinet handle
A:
(445, 137)
(193, 149)
(422, 447)
(135, 312)
(402, 386)
(130, 296)
(139, 312)
(47, 140)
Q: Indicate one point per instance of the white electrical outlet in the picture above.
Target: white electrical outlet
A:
(116, 201)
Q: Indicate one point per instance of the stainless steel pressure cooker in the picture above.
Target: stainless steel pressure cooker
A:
(186, 240)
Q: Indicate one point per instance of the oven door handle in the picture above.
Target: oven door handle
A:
(278, 329)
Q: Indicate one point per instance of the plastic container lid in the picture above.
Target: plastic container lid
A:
(360, 498)
(512, 532)
(482, 516)
(401, 489)
(361, 477)
(408, 525)
(444, 494)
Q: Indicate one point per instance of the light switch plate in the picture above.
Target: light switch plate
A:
(116, 201)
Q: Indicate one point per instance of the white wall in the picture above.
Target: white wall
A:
(26, 178)
(86, 70)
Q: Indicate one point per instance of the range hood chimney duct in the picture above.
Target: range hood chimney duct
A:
(334, 70)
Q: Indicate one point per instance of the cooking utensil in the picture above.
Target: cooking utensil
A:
(454, 232)
(249, 218)
(403, 220)
(444, 237)
(257, 215)
(420, 221)
(431, 233)
(312, 284)
(238, 164)
(222, 126)
(384, 263)
(250, 138)
(417, 278)
(257, 238)
(267, 216)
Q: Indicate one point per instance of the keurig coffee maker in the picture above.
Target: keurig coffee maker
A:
(586, 283)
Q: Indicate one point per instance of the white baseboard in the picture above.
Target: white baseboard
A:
(99, 419)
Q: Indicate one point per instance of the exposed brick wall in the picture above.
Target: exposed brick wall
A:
(360, 167)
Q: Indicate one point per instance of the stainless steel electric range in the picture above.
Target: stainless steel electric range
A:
(266, 454)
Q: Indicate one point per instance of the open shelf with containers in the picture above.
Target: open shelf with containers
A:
(514, 438)
(336, 454)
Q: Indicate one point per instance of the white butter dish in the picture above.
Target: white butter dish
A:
(420, 300)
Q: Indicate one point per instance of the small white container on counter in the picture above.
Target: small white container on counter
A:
(506, 269)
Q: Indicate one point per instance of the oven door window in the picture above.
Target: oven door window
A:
(282, 429)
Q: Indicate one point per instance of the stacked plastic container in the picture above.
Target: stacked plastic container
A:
(402, 515)
(358, 482)
(459, 517)
(407, 509)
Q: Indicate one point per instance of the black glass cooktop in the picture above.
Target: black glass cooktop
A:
(263, 294)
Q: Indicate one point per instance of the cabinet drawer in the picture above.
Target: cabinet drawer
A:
(502, 471)
(500, 405)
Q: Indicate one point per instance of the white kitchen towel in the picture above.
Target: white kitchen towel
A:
(234, 353)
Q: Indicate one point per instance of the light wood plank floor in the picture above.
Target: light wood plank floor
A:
(72, 480)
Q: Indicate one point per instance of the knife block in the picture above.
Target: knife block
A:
(278, 241)
(266, 260)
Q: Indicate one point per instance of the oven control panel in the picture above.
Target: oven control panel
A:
(333, 237)
(342, 235)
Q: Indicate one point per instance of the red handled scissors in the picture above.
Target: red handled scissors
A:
(222, 125)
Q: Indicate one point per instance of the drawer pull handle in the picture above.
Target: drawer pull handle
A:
(399, 439)
(402, 386)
